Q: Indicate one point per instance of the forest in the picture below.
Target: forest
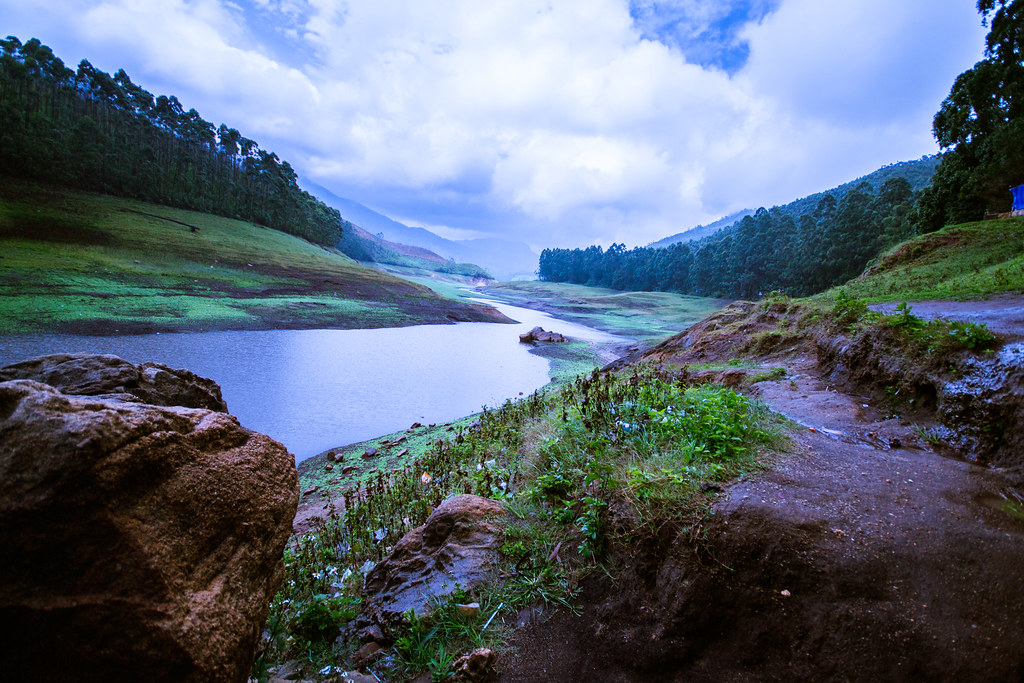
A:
(771, 250)
(88, 130)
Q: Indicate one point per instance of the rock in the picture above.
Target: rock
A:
(469, 610)
(475, 666)
(371, 633)
(367, 654)
(86, 374)
(328, 467)
(403, 452)
(332, 457)
(356, 677)
(140, 542)
(370, 453)
(289, 671)
(348, 469)
(415, 425)
(538, 334)
(456, 547)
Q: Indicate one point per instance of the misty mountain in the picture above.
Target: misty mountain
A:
(702, 231)
(504, 259)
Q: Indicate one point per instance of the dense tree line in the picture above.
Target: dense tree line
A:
(771, 250)
(89, 130)
(981, 124)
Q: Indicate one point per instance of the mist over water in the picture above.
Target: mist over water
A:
(318, 389)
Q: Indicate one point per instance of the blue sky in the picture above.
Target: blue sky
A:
(553, 122)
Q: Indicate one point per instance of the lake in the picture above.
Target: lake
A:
(318, 389)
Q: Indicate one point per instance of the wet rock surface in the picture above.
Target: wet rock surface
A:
(141, 542)
(86, 374)
(455, 548)
(976, 398)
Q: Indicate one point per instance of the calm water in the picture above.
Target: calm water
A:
(317, 389)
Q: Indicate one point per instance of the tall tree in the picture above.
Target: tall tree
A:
(981, 124)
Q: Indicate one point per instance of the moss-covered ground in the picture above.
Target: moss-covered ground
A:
(642, 316)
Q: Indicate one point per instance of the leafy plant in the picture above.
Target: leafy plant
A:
(848, 310)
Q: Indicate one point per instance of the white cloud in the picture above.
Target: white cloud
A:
(554, 116)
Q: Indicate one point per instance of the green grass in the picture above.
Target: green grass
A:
(966, 261)
(569, 360)
(74, 261)
(557, 459)
(642, 316)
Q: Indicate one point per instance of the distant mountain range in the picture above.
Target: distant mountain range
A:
(503, 259)
(918, 173)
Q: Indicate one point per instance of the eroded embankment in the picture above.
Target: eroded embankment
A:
(877, 549)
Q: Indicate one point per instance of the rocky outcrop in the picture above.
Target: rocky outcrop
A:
(140, 542)
(975, 396)
(86, 374)
(538, 334)
(455, 548)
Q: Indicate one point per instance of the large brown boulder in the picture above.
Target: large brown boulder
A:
(455, 548)
(140, 543)
(86, 374)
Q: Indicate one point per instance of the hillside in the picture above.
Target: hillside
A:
(918, 173)
(83, 263)
(664, 525)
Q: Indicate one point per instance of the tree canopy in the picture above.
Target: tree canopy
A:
(93, 131)
(980, 124)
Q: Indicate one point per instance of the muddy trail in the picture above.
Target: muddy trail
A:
(1003, 313)
(866, 552)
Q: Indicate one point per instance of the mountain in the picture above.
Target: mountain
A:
(504, 259)
(702, 231)
(362, 246)
(918, 173)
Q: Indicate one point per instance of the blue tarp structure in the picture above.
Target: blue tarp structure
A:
(1018, 197)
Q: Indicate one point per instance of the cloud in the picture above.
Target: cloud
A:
(565, 122)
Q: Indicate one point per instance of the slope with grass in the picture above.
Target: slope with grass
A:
(657, 533)
(966, 261)
(76, 262)
(885, 546)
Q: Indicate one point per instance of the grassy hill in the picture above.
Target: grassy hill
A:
(85, 263)
(965, 261)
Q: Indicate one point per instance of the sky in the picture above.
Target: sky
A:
(559, 123)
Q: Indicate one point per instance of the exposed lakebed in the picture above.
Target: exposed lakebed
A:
(317, 389)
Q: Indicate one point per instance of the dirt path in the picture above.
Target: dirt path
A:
(863, 555)
(1002, 313)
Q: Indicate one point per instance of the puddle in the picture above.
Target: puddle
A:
(1010, 503)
